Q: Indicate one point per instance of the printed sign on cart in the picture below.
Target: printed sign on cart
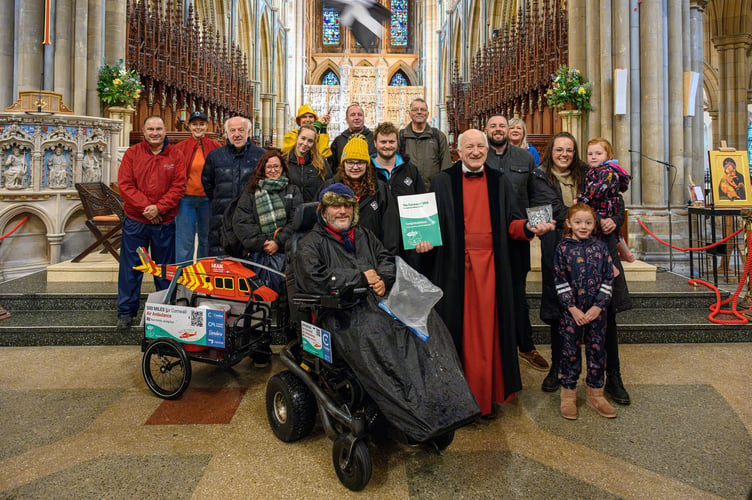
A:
(188, 325)
(317, 341)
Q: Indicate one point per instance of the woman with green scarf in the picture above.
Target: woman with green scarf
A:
(264, 212)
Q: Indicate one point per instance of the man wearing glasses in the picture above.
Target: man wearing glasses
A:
(425, 145)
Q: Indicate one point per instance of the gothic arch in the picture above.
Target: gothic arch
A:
(473, 31)
(265, 53)
(321, 69)
(407, 70)
(457, 48)
(710, 82)
(22, 209)
(244, 36)
(280, 68)
(68, 215)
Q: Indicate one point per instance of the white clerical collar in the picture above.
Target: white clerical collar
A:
(466, 170)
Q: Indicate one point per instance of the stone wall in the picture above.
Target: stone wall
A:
(42, 157)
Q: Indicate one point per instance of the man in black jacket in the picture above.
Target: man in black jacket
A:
(355, 119)
(226, 172)
(517, 165)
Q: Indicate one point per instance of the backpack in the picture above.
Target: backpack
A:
(227, 237)
(401, 139)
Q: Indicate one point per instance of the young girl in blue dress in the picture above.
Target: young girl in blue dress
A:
(583, 276)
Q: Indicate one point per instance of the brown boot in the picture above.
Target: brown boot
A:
(569, 403)
(595, 400)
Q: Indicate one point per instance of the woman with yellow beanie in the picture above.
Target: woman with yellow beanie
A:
(356, 172)
(307, 116)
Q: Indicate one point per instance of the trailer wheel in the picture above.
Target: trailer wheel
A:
(166, 368)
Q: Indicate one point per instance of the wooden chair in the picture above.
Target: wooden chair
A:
(104, 217)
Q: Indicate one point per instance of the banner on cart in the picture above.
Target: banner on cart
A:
(188, 325)
(317, 341)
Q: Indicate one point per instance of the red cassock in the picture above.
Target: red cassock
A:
(481, 351)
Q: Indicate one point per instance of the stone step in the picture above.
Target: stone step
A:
(637, 326)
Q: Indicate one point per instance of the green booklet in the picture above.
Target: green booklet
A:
(419, 219)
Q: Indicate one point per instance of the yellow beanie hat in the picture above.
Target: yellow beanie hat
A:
(355, 149)
(305, 109)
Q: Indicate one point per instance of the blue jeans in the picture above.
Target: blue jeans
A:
(159, 241)
(192, 218)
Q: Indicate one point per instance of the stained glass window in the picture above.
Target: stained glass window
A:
(399, 79)
(399, 23)
(329, 78)
(331, 26)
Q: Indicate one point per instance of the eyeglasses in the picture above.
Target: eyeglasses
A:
(273, 167)
(419, 110)
(562, 150)
(355, 163)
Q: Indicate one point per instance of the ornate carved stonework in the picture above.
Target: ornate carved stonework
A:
(368, 86)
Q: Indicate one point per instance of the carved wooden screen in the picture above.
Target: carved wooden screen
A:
(511, 73)
(185, 66)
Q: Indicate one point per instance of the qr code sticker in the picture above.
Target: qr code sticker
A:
(197, 318)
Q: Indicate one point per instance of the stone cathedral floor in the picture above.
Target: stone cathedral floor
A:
(79, 422)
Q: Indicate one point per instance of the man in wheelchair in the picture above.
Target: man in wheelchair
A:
(418, 385)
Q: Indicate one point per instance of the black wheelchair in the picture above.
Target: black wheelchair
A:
(312, 384)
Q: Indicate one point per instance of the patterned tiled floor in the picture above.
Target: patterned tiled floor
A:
(79, 422)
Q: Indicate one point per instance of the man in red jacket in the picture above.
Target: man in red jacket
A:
(193, 211)
(152, 182)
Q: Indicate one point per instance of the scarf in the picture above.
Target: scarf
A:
(347, 238)
(269, 205)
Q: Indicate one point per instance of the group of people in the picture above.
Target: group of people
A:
(240, 199)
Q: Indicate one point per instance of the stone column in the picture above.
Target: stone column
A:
(577, 15)
(733, 71)
(697, 138)
(592, 70)
(677, 183)
(572, 122)
(266, 114)
(79, 66)
(30, 49)
(7, 20)
(116, 26)
(55, 241)
(280, 126)
(63, 50)
(652, 102)
(621, 59)
(93, 58)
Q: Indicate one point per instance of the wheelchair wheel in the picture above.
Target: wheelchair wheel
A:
(442, 442)
(356, 473)
(290, 407)
(166, 368)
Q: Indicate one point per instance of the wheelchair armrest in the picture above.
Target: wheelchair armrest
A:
(331, 301)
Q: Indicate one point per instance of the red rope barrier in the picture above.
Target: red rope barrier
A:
(690, 249)
(16, 227)
(715, 309)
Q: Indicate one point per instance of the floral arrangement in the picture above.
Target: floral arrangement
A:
(119, 86)
(569, 88)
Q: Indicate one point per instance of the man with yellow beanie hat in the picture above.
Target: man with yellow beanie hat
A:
(307, 116)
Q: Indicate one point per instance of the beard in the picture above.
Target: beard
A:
(498, 143)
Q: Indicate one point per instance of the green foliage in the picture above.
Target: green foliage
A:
(569, 88)
(119, 86)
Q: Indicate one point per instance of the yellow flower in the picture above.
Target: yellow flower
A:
(581, 90)
(117, 81)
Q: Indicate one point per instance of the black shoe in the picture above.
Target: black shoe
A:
(551, 382)
(615, 388)
(124, 323)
